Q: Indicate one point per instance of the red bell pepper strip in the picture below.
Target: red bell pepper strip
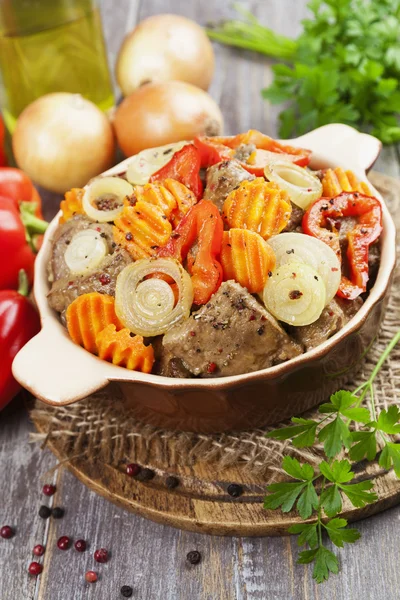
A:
(19, 322)
(184, 166)
(16, 185)
(202, 224)
(3, 157)
(212, 152)
(216, 149)
(318, 220)
(17, 226)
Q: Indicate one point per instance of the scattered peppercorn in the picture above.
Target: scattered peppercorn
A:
(211, 367)
(132, 470)
(101, 555)
(128, 236)
(35, 568)
(261, 330)
(44, 512)
(295, 294)
(38, 550)
(91, 577)
(235, 490)
(126, 591)
(193, 557)
(171, 482)
(57, 512)
(104, 279)
(64, 542)
(252, 318)
(80, 545)
(49, 490)
(145, 475)
(6, 532)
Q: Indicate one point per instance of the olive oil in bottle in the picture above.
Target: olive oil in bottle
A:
(51, 46)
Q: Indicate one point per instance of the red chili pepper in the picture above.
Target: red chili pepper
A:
(212, 152)
(3, 157)
(16, 242)
(16, 185)
(184, 166)
(203, 223)
(19, 322)
(368, 210)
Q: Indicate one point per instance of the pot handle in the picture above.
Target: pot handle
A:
(57, 373)
(337, 142)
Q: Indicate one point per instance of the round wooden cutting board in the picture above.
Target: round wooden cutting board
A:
(201, 501)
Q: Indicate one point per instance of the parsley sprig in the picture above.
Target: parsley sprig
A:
(344, 67)
(317, 493)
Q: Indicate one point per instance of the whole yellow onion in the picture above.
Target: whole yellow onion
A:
(164, 48)
(62, 140)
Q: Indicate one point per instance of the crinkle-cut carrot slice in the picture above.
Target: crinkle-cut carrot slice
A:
(155, 194)
(246, 258)
(184, 197)
(123, 350)
(336, 181)
(72, 204)
(258, 205)
(89, 314)
(142, 229)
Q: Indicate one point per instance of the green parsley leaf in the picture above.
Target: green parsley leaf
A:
(307, 501)
(325, 562)
(388, 421)
(390, 457)
(283, 495)
(338, 534)
(335, 435)
(308, 533)
(365, 447)
(338, 472)
(331, 500)
(359, 494)
(303, 434)
(292, 467)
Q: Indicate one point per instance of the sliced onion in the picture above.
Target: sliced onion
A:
(147, 306)
(85, 252)
(112, 188)
(298, 247)
(302, 186)
(295, 294)
(143, 165)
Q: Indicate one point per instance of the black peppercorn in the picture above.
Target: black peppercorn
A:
(58, 512)
(126, 591)
(44, 512)
(193, 557)
(145, 475)
(172, 482)
(235, 490)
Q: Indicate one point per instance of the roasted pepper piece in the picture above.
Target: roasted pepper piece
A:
(184, 166)
(201, 226)
(319, 221)
(212, 152)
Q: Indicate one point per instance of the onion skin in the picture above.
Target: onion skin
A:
(164, 113)
(62, 140)
(165, 48)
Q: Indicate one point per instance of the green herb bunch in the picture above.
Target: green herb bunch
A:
(344, 67)
(317, 493)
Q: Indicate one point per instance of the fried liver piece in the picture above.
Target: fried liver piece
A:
(231, 334)
(334, 316)
(222, 178)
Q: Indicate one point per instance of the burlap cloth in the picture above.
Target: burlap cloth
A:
(97, 429)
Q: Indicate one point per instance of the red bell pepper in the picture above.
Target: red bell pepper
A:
(215, 149)
(319, 221)
(212, 152)
(202, 224)
(3, 157)
(18, 227)
(16, 185)
(184, 166)
(19, 322)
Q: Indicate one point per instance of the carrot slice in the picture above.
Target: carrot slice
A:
(258, 205)
(123, 350)
(246, 258)
(89, 314)
(72, 204)
(336, 181)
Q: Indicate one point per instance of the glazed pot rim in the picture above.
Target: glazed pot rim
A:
(332, 145)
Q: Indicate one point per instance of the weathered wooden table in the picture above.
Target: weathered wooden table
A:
(147, 556)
